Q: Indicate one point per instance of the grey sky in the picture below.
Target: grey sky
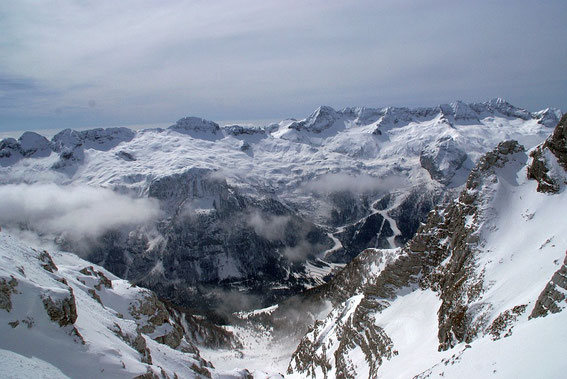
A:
(96, 63)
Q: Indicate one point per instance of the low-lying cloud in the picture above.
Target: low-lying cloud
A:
(72, 211)
(360, 183)
(268, 226)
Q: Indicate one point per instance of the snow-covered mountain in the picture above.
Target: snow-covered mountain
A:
(264, 211)
(478, 291)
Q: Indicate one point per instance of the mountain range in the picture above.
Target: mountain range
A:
(388, 242)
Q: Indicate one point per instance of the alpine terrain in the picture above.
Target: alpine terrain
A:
(358, 243)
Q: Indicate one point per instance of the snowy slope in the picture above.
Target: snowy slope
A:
(60, 316)
(478, 291)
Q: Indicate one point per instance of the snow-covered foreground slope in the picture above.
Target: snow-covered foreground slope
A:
(479, 291)
(61, 316)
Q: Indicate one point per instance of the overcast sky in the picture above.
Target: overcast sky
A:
(100, 63)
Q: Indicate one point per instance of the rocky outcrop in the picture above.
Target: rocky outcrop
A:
(443, 159)
(360, 332)
(502, 325)
(7, 288)
(553, 298)
(541, 168)
(452, 233)
(154, 319)
(47, 262)
(137, 342)
(103, 280)
(63, 311)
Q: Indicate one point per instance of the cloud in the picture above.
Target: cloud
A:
(301, 251)
(72, 211)
(268, 226)
(358, 184)
(228, 301)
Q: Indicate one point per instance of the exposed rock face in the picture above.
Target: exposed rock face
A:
(62, 311)
(7, 288)
(502, 326)
(553, 299)
(47, 262)
(452, 233)
(361, 332)
(34, 145)
(53, 295)
(541, 168)
(103, 280)
(152, 314)
(138, 342)
(443, 159)
(557, 143)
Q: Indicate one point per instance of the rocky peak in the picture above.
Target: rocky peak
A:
(548, 117)
(502, 106)
(323, 118)
(66, 139)
(29, 145)
(463, 112)
(34, 145)
(98, 139)
(191, 125)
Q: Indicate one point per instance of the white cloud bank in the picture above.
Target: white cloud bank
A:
(75, 211)
(358, 184)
